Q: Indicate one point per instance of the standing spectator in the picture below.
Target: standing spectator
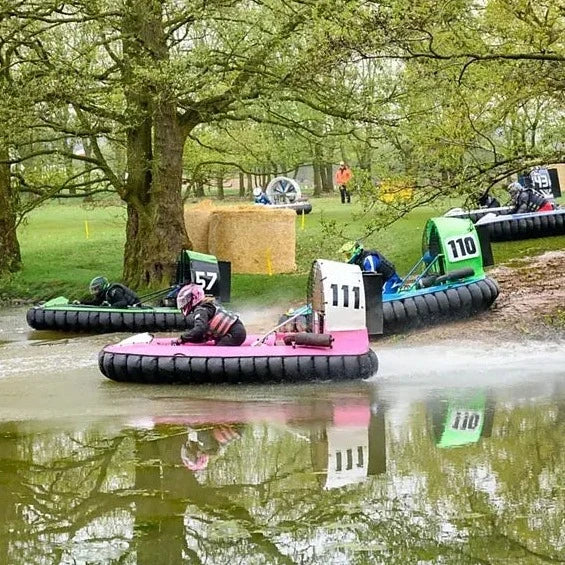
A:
(342, 178)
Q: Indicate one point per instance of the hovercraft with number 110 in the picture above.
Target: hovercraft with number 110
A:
(447, 283)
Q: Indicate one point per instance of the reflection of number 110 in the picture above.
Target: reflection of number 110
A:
(345, 295)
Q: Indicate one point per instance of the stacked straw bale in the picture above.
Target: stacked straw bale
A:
(255, 239)
(197, 222)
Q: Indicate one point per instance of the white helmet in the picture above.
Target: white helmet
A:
(514, 187)
(257, 191)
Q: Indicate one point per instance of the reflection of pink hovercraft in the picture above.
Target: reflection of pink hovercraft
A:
(337, 347)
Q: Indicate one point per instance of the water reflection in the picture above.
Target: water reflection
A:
(342, 475)
(461, 417)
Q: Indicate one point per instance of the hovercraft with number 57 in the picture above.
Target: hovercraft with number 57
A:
(336, 348)
(157, 311)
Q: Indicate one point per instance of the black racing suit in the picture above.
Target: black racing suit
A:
(199, 323)
(116, 295)
(527, 200)
(488, 201)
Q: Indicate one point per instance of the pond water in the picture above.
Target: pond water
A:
(453, 453)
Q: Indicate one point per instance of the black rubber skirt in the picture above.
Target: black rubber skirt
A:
(305, 208)
(438, 306)
(544, 224)
(101, 321)
(128, 367)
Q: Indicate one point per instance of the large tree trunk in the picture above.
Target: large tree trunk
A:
(10, 257)
(329, 187)
(155, 232)
(241, 185)
(220, 186)
(155, 228)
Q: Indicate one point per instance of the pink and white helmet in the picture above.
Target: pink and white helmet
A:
(194, 461)
(188, 297)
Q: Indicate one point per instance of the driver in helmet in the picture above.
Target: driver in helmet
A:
(205, 442)
(527, 200)
(372, 262)
(207, 320)
(105, 293)
(260, 196)
(488, 201)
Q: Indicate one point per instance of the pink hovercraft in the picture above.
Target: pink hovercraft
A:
(337, 348)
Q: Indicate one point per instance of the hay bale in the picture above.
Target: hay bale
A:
(251, 237)
(197, 222)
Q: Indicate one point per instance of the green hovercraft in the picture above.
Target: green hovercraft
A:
(156, 312)
(448, 282)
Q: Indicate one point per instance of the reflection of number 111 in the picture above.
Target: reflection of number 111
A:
(345, 292)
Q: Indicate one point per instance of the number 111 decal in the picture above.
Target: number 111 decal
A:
(345, 295)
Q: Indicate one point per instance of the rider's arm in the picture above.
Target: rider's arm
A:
(197, 333)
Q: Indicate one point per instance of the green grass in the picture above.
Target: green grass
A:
(59, 259)
(57, 256)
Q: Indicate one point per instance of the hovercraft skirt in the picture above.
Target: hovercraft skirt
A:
(447, 304)
(130, 367)
(104, 320)
(527, 226)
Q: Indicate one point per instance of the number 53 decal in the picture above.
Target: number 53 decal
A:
(205, 278)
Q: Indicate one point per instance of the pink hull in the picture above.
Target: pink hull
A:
(159, 361)
(355, 342)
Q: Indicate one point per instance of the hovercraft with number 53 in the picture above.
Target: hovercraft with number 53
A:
(336, 348)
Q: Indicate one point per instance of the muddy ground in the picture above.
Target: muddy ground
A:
(531, 304)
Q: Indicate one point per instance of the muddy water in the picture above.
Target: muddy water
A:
(451, 454)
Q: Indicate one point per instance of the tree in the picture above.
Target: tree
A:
(148, 73)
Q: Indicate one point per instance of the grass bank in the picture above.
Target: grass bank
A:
(64, 245)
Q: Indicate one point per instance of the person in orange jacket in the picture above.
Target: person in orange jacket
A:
(342, 177)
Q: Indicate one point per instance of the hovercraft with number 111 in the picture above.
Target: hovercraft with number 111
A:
(336, 348)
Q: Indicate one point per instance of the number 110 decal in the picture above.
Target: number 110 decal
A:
(462, 247)
(342, 293)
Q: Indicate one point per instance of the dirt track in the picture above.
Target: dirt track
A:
(531, 304)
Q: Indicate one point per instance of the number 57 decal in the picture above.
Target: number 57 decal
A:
(205, 278)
